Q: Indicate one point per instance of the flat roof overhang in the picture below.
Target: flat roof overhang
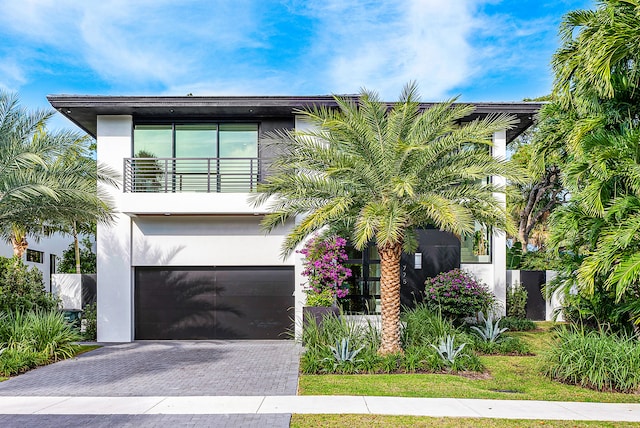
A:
(84, 109)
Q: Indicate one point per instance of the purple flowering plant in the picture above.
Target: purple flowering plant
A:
(324, 268)
(457, 294)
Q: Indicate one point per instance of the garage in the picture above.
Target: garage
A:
(199, 303)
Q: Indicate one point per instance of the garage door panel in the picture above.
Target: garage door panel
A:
(213, 303)
(254, 317)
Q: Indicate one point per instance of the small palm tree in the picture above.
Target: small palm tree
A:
(382, 172)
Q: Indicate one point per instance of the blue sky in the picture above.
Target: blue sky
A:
(482, 50)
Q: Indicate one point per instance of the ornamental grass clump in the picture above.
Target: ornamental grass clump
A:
(596, 360)
(34, 338)
(324, 269)
(457, 295)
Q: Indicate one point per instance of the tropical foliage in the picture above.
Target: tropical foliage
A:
(47, 179)
(88, 259)
(340, 346)
(458, 295)
(323, 266)
(21, 288)
(589, 133)
(34, 338)
(382, 171)
(597, 360)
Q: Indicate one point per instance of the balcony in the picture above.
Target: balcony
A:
(207, 175)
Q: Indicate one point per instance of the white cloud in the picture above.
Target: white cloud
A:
(383, 45)
(12, 75)
(148, 41)
(222, 47)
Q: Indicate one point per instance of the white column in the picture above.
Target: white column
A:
(499, 247)
(114, 282)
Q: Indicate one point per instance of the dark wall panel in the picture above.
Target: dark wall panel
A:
(213, 303)
(89, 289)
(533, 281)
(440, 253)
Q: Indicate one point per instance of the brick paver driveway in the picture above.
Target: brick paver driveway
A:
(169, 368)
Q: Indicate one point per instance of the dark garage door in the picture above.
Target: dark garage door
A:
(213, 303)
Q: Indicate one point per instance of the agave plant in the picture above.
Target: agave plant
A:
(342, 352)
(447, 350)
(491, 331)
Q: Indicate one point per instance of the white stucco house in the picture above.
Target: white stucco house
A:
(43, 253)
(186, 258)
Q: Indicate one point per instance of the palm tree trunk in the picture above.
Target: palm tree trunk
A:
(76, 246)
(19, 244)
(390, 299)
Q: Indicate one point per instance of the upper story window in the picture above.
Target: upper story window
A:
(194, 157)
(198, 140)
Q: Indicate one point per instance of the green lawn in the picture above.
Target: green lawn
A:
(507, 378)
(87, 348)
(367, 421)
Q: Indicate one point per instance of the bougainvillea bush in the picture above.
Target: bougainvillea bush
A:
(323, 266)
(457, 294)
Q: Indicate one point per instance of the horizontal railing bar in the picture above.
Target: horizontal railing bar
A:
(162, 175)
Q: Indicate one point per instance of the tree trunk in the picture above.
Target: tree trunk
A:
(20, 245)
(390, 299)
(523, 237)
(76, 247)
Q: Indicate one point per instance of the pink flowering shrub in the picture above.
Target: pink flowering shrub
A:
(457, 294)
(323, 266)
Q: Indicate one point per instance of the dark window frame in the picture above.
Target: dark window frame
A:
(34, 256)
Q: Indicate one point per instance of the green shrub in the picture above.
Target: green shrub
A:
(334, 329)
(600, 310)
(423, 326)
(509, 345)
(90, 321)
(517, 324)
(34, 338)
(21, 288)
(18, 360)
(540, 260)
(597, 360)
(516, 301)
(458, 295)
(88, 259)
(51, 334)
(323, 298)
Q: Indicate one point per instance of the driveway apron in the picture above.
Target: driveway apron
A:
(167, 368)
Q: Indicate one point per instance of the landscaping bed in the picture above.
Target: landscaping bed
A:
(503, 377)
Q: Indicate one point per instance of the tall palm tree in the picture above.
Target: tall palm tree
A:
(44, 180)
(384, 172)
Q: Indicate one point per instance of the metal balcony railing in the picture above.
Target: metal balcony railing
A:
(169, 175)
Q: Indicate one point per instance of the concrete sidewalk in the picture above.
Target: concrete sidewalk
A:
(273, 405)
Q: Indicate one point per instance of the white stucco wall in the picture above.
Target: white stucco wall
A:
(494, 274)
(114, 281)
(68, 288)
(206, 241)
(499, 248)
(55, 244)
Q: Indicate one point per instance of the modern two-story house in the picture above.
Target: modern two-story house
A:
(186, 257)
